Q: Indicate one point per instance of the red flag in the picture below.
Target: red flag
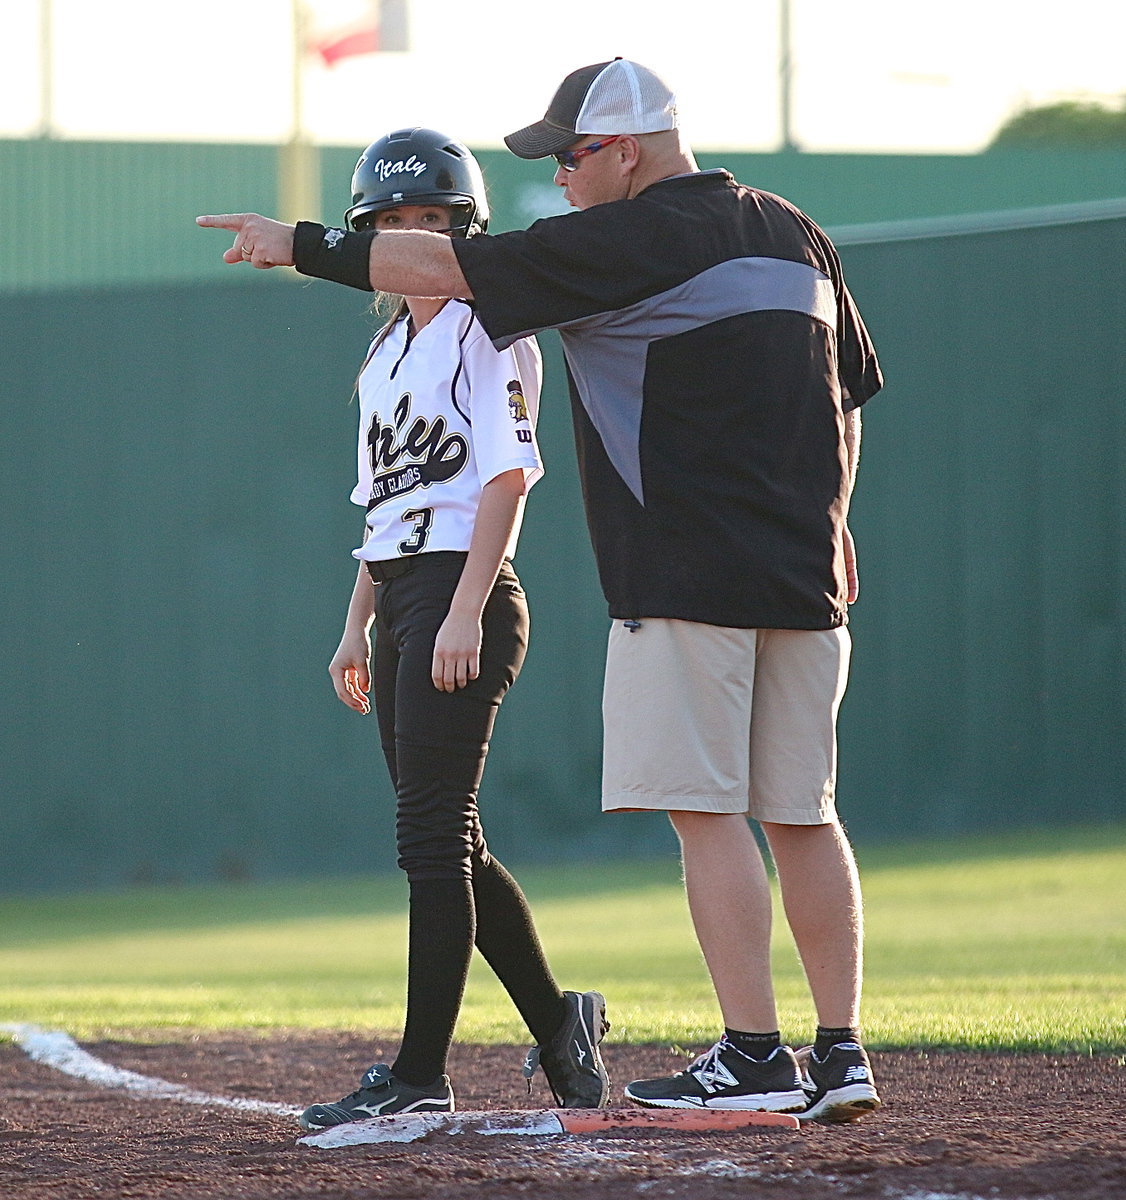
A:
(385, 29)
(347, 45)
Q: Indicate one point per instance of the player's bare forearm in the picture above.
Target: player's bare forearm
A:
(457, 648)
(361, 605)
(350, 667)
(496, 515)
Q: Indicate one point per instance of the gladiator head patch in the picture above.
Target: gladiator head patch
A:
(517, 407)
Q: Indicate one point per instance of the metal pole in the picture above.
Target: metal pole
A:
(299, 183)
(785, 76)
(46, 71)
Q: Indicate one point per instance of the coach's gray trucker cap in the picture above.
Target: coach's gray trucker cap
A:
(609, 97)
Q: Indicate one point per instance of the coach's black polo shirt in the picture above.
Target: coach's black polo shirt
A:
(712, 349)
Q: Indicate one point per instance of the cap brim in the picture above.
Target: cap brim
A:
(540, 140)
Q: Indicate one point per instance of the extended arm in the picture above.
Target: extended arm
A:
(416, 263)
(404, 263)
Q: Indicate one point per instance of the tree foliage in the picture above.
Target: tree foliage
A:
(1068, 124)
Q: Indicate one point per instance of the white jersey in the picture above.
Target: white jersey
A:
(441, 414)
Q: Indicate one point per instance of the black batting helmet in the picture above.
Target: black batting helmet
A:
(420, 166)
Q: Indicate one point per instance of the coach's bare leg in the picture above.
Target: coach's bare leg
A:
(729, 899)
(821, 896)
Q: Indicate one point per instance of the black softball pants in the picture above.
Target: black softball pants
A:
(435, 744)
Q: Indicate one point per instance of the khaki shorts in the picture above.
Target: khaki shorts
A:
(710, 719)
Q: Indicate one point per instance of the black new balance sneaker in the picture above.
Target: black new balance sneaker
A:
(379, 1095)
(840, 1086)
(571, 1061)
(725, 1077)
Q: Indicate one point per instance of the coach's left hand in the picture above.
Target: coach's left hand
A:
(259, 241)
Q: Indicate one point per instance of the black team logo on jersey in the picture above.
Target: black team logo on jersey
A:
(432, 455)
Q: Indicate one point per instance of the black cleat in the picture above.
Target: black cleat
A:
(571, 1061)
(726, 1078)
(840, 1086)
(379, 1095)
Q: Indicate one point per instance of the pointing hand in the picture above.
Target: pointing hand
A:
(259, 241)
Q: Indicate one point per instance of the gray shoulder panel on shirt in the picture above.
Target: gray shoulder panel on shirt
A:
(607, 352)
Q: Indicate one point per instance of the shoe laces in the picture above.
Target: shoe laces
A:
(707, 1066)
(374, 1080)
(532, 1062)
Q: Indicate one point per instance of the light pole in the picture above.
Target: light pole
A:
(299, 173)
(46, 71)
(785, 76)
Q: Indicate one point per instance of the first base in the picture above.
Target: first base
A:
(410, 1127)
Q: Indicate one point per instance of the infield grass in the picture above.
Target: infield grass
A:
(999, 943)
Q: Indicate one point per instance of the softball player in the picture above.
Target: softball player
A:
(447, 452)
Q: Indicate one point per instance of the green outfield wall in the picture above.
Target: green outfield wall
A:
(991, 686)
(79, 213)
(174, 471)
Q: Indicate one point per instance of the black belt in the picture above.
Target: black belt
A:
(389, 568)
(392, 568)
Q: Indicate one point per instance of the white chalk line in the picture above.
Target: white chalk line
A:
(59, 1050)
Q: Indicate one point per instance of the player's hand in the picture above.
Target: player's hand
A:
(259, 241)
(350, 672)
(851, 576)
(457, 652)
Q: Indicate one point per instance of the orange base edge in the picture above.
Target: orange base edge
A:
(592, 1120)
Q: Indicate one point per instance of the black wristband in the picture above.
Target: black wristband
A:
(333, 254)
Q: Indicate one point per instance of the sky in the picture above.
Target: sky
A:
(867, 75)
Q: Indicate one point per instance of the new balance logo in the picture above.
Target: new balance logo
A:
(714, 1075)
(855, 1073)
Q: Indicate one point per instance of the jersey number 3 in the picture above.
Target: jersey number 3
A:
(423, 518)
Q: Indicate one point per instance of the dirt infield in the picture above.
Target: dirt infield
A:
(954, 1127)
